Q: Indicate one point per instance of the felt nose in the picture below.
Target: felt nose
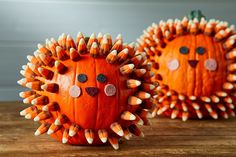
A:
(92, 91)
(192, 63)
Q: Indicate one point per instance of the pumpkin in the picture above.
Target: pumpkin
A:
(194, 64)
(87, 91)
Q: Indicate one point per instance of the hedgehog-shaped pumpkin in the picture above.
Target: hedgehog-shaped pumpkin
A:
(87, 91)
(194, 65)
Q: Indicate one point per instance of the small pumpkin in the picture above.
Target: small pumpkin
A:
(194, 65)
(87, 91)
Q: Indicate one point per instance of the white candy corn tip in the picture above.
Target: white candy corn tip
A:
(37, 133)
(45, 108)
(36, 118)
(64, 140)
(120, 133)
(72, 133)
(50, 131)
(104, 140)
(89, 140)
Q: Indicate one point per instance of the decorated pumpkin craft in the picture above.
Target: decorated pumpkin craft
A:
(87, 91)
(194, 61)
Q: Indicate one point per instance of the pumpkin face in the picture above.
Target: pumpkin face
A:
(89, 91)
(194, 64)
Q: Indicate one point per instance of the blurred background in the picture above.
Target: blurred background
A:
(25, 23)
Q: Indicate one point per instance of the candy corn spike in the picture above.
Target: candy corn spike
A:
(228, 86)
(179, 29)
(185, 116)
(131, 83)
(41, 100)
(47, 60)
(94, 50)
(114, 142)
(228, 100)
(138, 120)
(69, 42)
(104, 46)
(168, 35)
(103, 135)
(209, 108)
(65, 136)
(54, 41)
(195, 106)
(116, 127)
(221, 94)
(144, 113)
(117, 46)
(46, 73)
(162, 109)
(28, 110)
(221, 107)
(74, 55)
(139, 72)
(224, 115)
(184, 106)
(143, 95)
(231, 54)
(89, 135)
(135, 130)
(126, 115)
(27, 74)
(232, 67)
(118, 37)
(32, 59)
(154, 112)
(53, 128)
(27, 69)
(127, 134)
(231, 113)
(36, 54)
(26, 94)
(34, 68)
(148, 74)
(199, 114)
(35, 85)
(52, 48)
(32, 114)
(219, 35)
(50, 87)
(109, 39)
(82, 49)
(174, 113)
(60, 67)
(61, 119)
(121, 57)
(73, 130)
(205, 99)
(208, 29)
(228, 44)
(147, 87)
(111, 57)
(29, 99)
(42, 129)
(230, 105)
(214, 115)
(132, 100)
(52, 106)
(231, 77)
(61, 54)
(42, 116)
(78, 37)
(137, 60)
(91, 40)
(127, 69)
(62, 40)
(43, 49)
(100, 36)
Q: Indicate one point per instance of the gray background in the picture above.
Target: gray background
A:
(24, 23)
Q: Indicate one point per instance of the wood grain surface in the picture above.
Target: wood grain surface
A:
(165, 137)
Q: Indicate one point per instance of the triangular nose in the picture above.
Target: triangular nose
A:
(192, 63)
(92, 91)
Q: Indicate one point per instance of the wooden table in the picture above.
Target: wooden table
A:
(164, 138)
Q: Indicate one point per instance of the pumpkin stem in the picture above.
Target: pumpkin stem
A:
(195, 14)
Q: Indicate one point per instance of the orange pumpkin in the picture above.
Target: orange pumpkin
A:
(194, 64)
(87, 91)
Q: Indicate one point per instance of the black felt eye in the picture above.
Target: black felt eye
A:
(184, 50)
(82, 78)
(101, 78)
(200, 50)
